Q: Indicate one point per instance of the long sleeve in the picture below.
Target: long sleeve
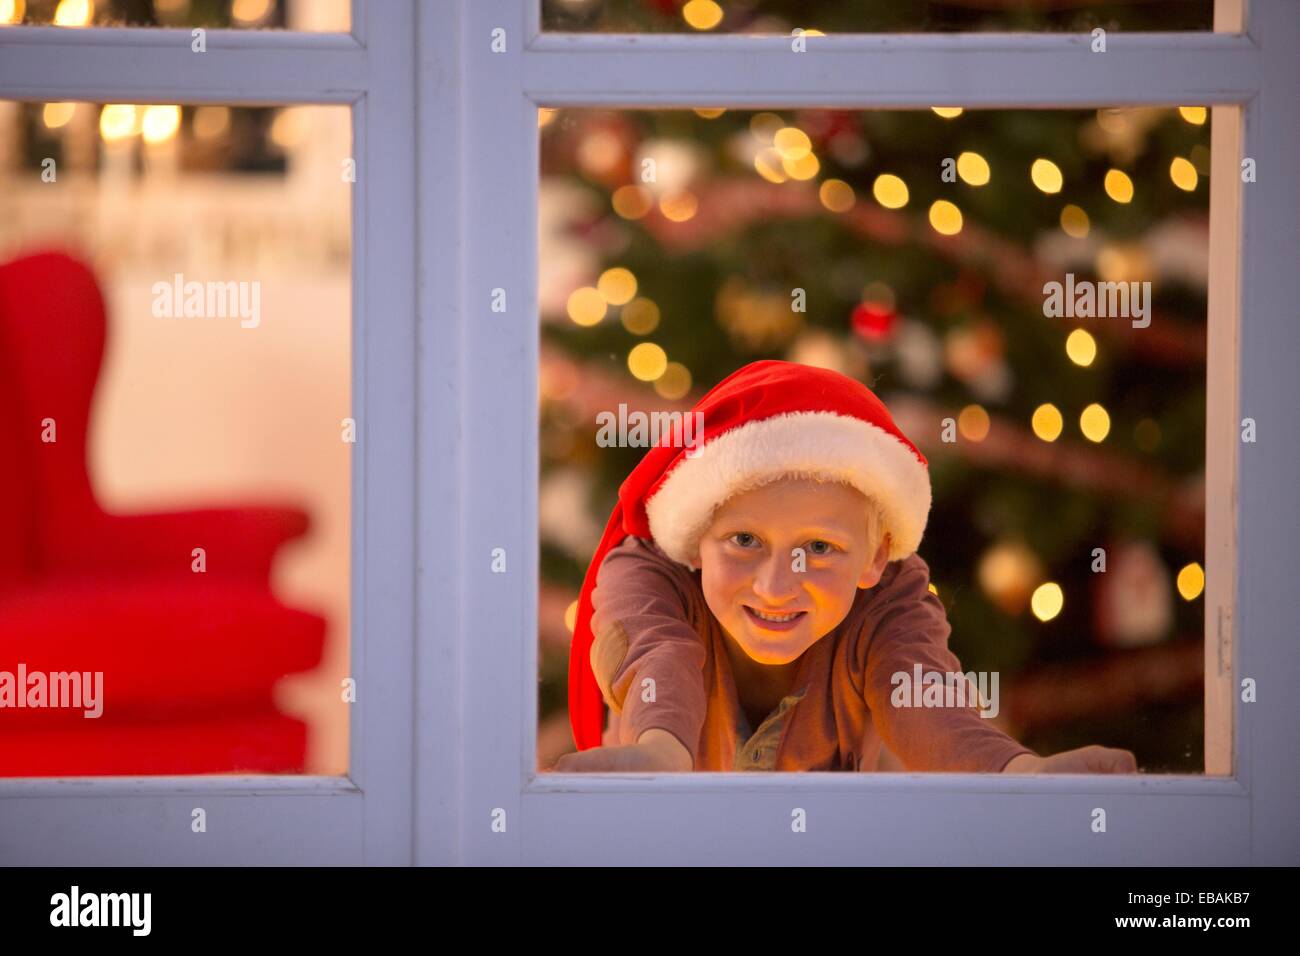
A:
(906, 625)
(647, 655)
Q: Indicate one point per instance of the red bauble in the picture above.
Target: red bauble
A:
(873, 321)
(667, 8)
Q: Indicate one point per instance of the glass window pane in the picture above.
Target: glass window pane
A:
(854, 16)
(1026, 292)
(306, 15)
(176, 368)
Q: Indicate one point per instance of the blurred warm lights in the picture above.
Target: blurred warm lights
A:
(1046, 175)
(1117, 122)
(571, 616)
(836, 195)
(545, 116)
(821, 350)
(601, 153)
(73, 13)
(945, 218)
(973, 169)
(1183, 173)
(1081, 347)
(11, 11)
(666, 165)
(1047, 601)
(586, 306)
(289, 128)
(640, 316)
(973, 423)
(1191, 581)
(769, 165)
(1111, 263)
(56, 115)
(160, 123)
(890, 191)
(647, 361)
(1074, 222)
(632, 202)
(616, 285)
(249, 11)
(792, 142)
(211, 122)
(1094, 423)
(710, 112)
(1193, 114)
(1007, 572)
(117, 121)
(947, 112)
(679, 207)
(1118, 186)
(803, 168)
(702, 14)
(1123, 263)
(674, 383)
(1047, 422)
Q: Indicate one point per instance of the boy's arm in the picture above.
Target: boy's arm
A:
(647, 656)
(906, 625)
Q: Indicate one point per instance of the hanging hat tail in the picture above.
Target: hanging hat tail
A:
(586, 705)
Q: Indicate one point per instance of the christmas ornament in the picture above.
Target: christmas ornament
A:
(873, 321)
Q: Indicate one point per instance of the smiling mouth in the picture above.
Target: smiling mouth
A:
(774, 622)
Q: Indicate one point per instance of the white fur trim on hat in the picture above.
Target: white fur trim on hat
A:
(820, 445)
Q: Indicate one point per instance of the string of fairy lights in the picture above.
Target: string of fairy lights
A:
(783, 153)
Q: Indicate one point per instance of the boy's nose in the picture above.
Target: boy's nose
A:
(776, 581)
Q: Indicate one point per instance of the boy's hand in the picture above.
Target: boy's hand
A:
(655, 750)
(1090, 759)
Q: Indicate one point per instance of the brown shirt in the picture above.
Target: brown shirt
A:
(661, 663)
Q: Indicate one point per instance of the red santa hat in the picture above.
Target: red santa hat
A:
(765, 421)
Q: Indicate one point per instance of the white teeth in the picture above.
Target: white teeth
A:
(776, 618)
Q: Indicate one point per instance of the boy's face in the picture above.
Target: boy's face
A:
(749, 571)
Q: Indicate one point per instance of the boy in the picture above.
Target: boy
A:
(752, 604)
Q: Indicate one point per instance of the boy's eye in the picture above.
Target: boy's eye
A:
(820, 547)
(744, 539)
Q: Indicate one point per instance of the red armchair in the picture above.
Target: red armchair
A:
(188, 659)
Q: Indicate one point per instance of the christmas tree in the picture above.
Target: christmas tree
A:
(915, 251)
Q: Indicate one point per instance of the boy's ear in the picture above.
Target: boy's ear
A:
(872, 573)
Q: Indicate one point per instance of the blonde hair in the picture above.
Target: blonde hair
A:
(876, 529)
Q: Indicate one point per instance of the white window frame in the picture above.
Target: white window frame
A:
(445, 391)
(366, 815)
(1241, 811)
